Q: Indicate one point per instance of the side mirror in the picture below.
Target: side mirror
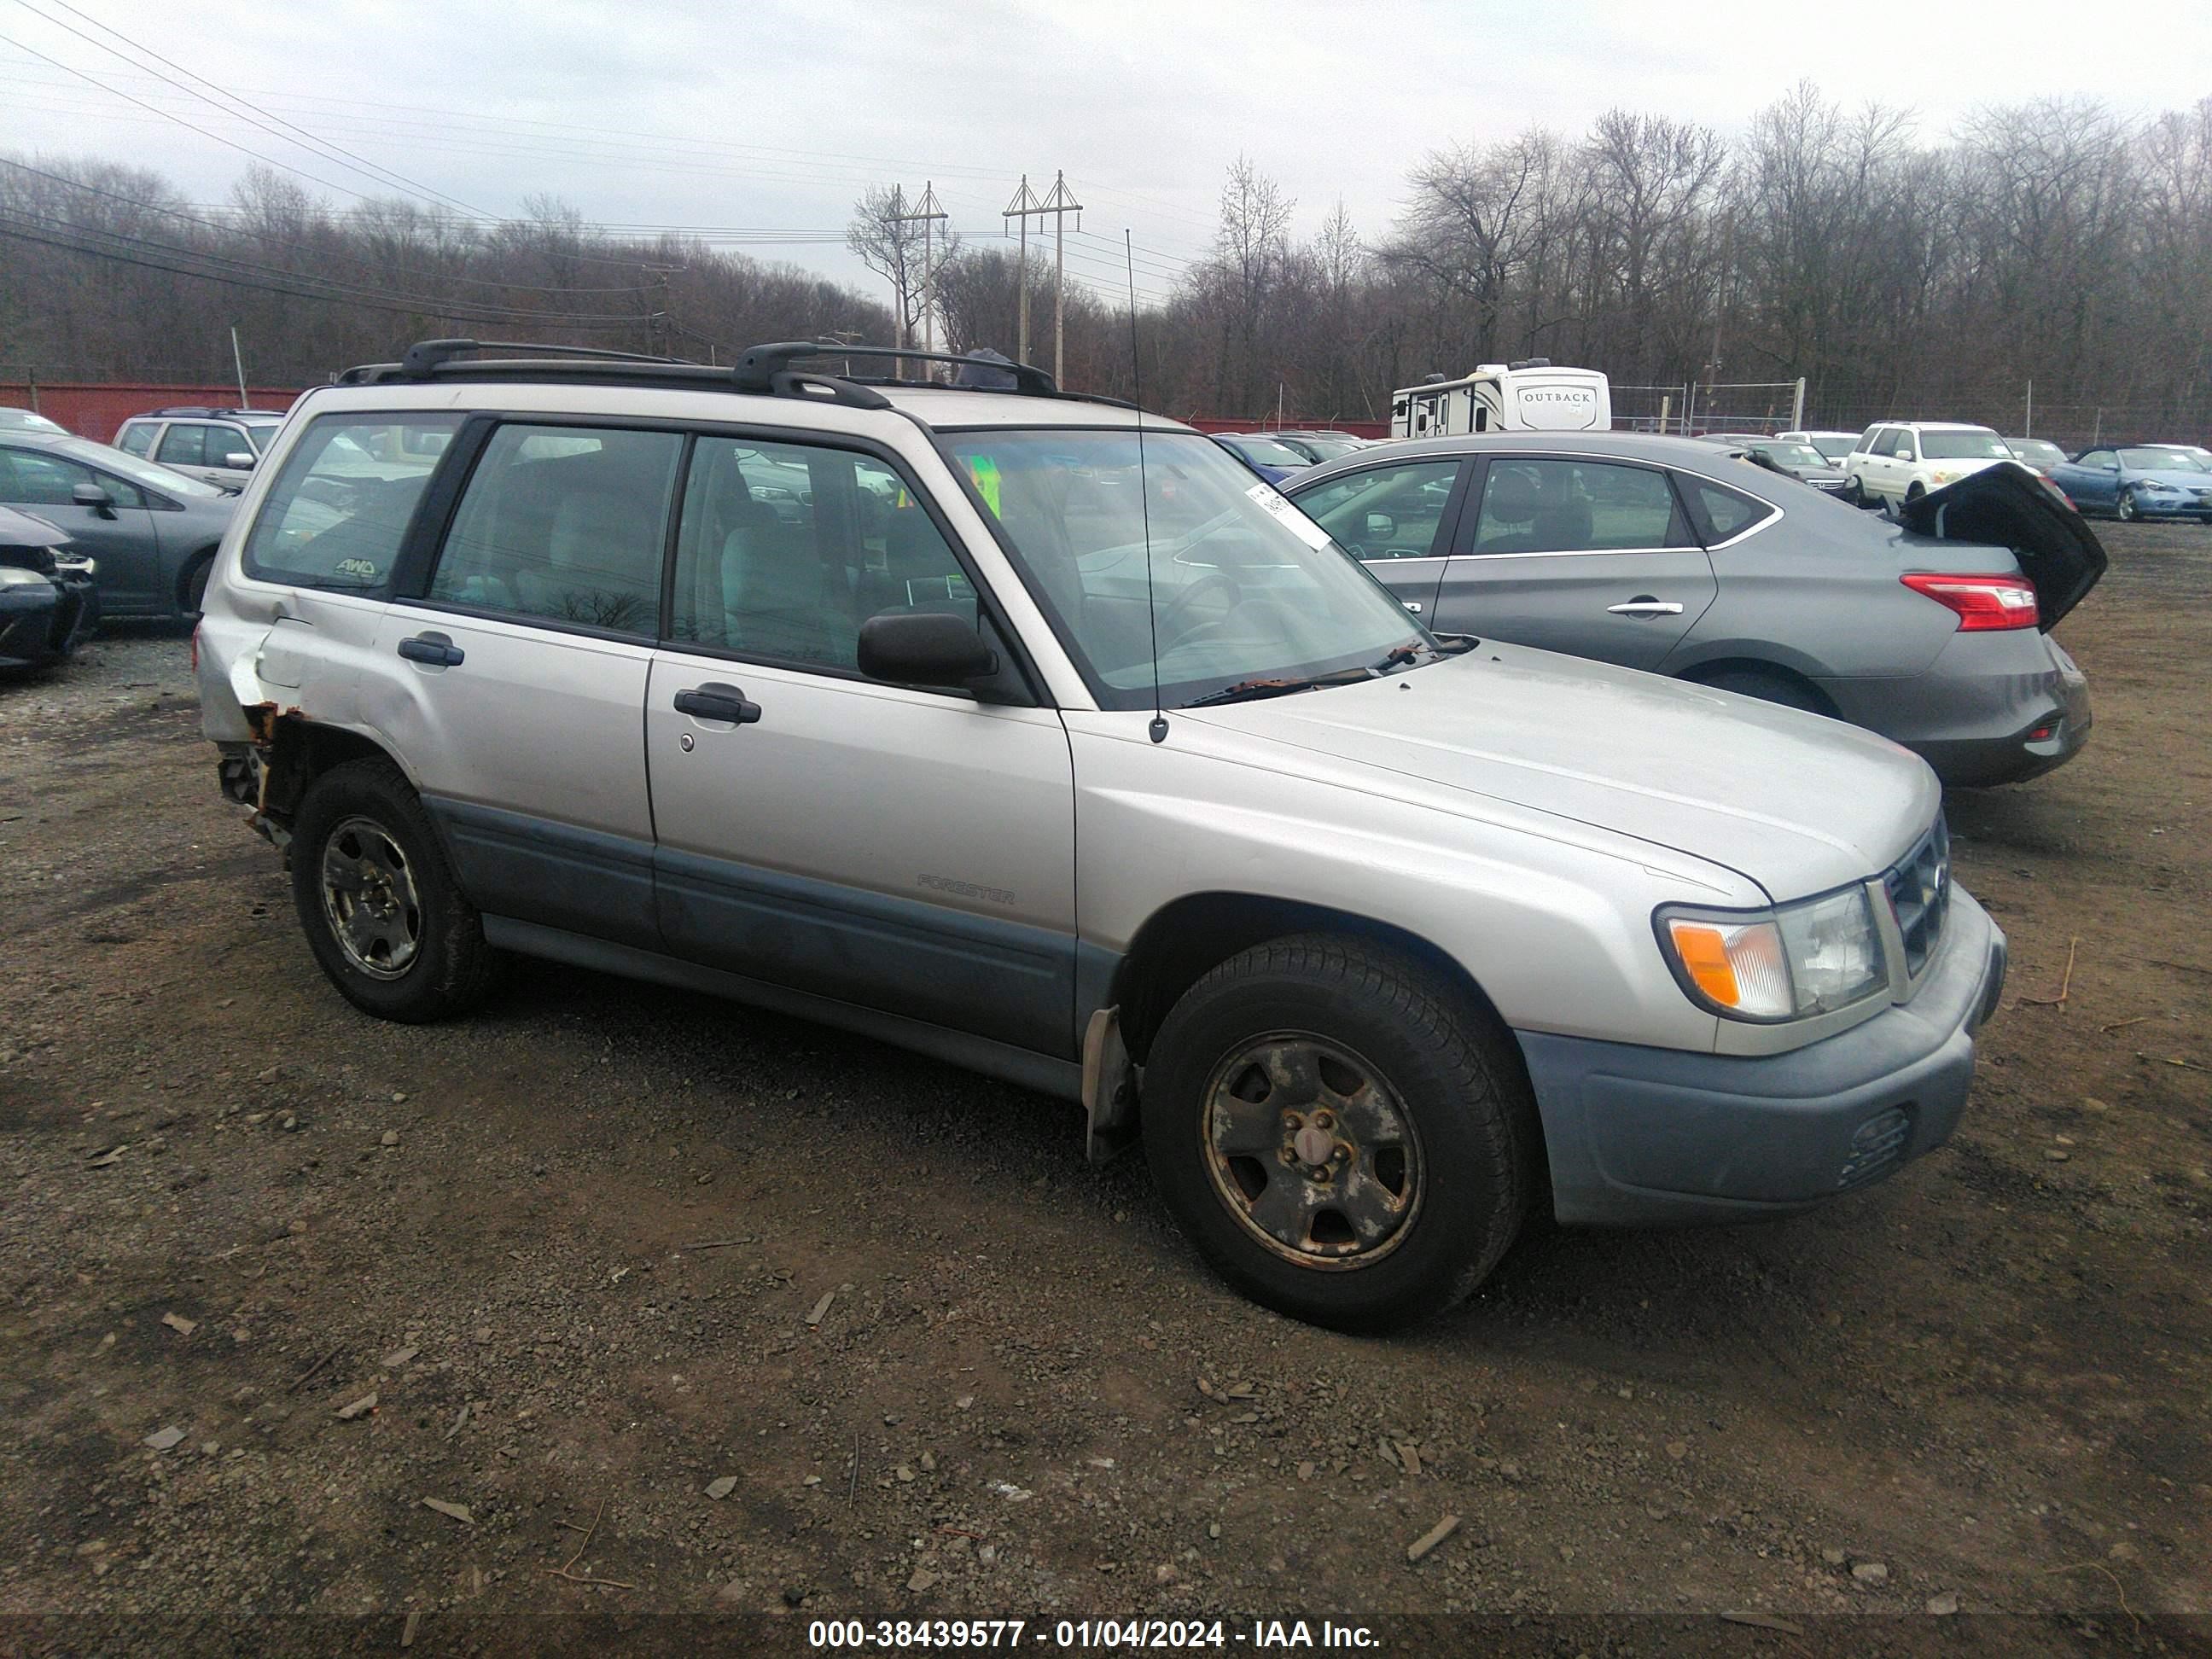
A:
(924, 648)
(238, 460)
(2110, 466)
(92, 495)
(1381, 524)
(1904, 454)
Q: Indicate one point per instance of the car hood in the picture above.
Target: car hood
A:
(29, 530)
(1794, 802)
(2191, 481)
(2007, 505)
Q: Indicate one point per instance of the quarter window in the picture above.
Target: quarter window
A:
(784, 549)
(1728, 511)
(1384, 512)
(566, 524)
(185, 444)
(1575, 506)
(340, 504)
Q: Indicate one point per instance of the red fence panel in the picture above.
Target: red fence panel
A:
(97, 410)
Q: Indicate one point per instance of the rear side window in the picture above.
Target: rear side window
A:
(565, 524)
(183, 445)
(335, 514)
(136, 438)
(787, 549)
(1576, 506)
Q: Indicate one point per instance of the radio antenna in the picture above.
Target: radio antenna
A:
(1158, 731)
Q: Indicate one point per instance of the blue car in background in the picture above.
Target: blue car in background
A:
(2140, 480)
(1271, 460)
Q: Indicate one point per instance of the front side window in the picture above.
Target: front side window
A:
(785, 549)
(2103, 459)
(335, 514)
(1175, 542)
(136, 438)
(1576, 506)
(34, 478)
(258, 433)
(185, 444)
(1385, 512)
(566, 523)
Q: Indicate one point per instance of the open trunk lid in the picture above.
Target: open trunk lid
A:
(2007, 506)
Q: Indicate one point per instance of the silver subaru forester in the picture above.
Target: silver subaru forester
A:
(1032, 733)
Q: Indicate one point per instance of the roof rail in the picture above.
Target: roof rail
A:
(426, 355)
(756, 369)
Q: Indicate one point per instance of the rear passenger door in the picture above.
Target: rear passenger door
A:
(1571, 553)
(1396, 517)
(907, 849)
(510, 676)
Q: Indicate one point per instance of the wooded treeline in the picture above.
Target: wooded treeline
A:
(2055, 242)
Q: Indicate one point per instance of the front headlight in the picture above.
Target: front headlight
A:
(15, 576)
(1790, 963)
(1945, 478)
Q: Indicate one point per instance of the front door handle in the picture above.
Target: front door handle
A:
(1643, 604)
(436, 649)
(715, 702)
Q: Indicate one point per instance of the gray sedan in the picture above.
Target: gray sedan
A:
(1664, 554)
(151, 531)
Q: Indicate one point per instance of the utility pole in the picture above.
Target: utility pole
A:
(927, 211)
(1059, 204)
(1019, 209)
(238, 361)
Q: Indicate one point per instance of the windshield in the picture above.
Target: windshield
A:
(1835, 445)
(129, 466)
(2037, 451)
(1792, 454)
(1976, 444)
(1241, 585)
(23, 420)
(2161, 460)
(1328, 449)
(1268, 452)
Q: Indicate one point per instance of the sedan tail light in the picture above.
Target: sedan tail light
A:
(1983, 603)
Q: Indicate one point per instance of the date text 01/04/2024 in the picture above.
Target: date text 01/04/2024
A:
(1084, 1633)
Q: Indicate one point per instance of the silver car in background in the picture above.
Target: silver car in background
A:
(1668, 555)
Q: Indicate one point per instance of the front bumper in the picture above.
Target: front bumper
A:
(1639, 1137)
(43, 625)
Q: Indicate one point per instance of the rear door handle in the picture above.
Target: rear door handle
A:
(1645, 606)
(436, 649)
(716, 702)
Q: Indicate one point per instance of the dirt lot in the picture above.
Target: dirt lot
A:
(606, 1244)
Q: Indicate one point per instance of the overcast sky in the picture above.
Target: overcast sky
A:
(772, 115)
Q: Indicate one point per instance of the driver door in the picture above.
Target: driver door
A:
(119, 536)
(1397, 519)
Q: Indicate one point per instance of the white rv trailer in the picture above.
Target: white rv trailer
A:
(1528, 395)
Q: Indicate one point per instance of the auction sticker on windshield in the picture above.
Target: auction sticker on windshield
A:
(1287, 512)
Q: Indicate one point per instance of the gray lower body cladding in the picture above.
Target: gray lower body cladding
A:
(1640, 1137)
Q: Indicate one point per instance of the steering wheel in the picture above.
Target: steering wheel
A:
(1189, 596)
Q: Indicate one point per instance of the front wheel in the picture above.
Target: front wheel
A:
(1855, 492)
(383, 914)
(2126, 508)
(1340, 1131)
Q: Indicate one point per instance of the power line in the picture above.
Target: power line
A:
(338, 153)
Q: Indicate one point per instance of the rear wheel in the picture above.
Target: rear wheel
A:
(383, 914)
(191, 589)
(1340, 1130)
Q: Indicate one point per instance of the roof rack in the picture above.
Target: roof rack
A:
(763, 371)
(201, 411)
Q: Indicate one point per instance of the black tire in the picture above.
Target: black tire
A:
(191, 589)
(1855, 492)
(1445, 1066)
(446, 967)
(1914, 491)
(1767, 688)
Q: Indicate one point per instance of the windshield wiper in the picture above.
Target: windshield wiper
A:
(1252, 690)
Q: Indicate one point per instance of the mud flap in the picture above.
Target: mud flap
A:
(1110, 1088)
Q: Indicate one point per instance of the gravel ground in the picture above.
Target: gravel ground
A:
(729, 1313)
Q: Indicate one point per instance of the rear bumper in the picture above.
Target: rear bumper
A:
(1639, 1137)
(1991, 709)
